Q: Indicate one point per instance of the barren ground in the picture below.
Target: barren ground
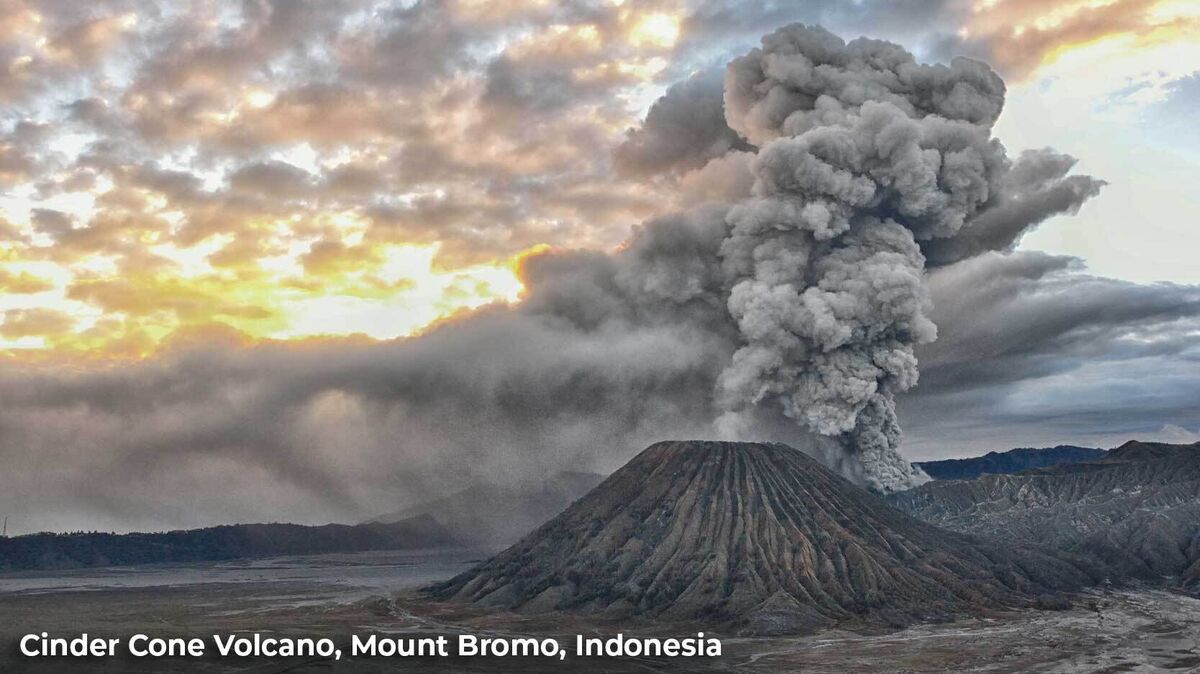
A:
(1119, 631)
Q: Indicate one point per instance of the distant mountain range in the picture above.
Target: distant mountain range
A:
(492, 516)
(1012, 461)
(1137, 509)
(77, 550)
(482, 516)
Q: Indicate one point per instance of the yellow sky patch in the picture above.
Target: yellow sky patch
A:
(658, 30)
(382, 292)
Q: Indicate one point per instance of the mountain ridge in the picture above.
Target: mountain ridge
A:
(1008, 462)
(231, 541)
(1137, 509)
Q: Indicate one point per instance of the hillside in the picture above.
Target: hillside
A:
(1137, 509)
(68, 551)
(757, 536)
(1012, 461)
(494, 516)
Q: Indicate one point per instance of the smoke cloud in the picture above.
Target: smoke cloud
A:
(867, 160)
(683, 130)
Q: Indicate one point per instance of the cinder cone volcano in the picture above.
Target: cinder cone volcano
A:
(756, 536)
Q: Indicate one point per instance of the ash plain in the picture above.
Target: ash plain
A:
(1129, 629)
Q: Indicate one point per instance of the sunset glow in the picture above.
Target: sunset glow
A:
(156, 188)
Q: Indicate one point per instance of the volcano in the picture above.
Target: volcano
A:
(759, 537)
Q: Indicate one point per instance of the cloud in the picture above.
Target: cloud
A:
(867, 161)
(1033, 350)
(55, 224)
(22, 283)
(1013, 317)
(34, 323)
(86, 42)
(683, 130)
(1183, 94)
(803, 78)
(274, 178)
(726, 178)
(1020, 37)
(1170, 433)
(406, 47)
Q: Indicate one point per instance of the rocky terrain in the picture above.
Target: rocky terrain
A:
(81, 550)
(489, 516)
(758, 537)
(1121, 630)
(1137, 509)
(1012, 461)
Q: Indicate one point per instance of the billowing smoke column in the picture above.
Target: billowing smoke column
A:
(866, 159)
(865, 153)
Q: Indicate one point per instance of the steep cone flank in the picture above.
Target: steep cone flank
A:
(757, 535)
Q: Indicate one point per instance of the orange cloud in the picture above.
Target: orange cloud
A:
(1022, 35)
(20, 323)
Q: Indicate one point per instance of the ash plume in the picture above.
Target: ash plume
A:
(867, 159)
(866, 166)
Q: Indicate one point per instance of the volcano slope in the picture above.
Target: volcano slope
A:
(1137, 509)
(758, 537)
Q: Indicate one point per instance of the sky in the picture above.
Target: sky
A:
(238, 239)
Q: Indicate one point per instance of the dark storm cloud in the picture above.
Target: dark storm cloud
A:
(1005, 318)
(1031, 349)
(867, 159)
